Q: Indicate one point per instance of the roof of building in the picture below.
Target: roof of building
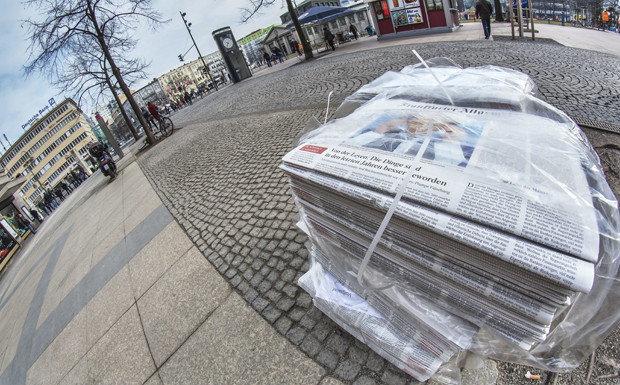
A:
(315, 14)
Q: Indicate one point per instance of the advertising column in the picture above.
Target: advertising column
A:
(232, 54)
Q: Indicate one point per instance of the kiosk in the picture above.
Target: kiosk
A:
(399, 18)
(232, 54)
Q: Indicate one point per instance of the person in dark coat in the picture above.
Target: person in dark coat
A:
(353, 31)
(329, 38)
(484, 10)
(267, 59)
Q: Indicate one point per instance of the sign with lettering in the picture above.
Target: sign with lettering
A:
(50, 104)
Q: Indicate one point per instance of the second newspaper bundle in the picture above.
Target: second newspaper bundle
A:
(465, 205)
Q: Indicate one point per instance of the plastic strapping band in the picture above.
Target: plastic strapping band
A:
(433, 73)
(390, 212)
(327, 110)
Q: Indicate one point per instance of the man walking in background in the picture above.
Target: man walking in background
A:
(484, 9)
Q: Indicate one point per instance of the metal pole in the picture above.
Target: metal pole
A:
(531, 18)
(520, 17)
(512, 19)
(199, 54)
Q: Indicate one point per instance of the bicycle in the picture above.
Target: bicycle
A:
(164, 126)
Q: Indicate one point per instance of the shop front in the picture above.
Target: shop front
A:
(401, 18)
(11, 233)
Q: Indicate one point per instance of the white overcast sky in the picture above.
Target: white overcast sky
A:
(22, 98)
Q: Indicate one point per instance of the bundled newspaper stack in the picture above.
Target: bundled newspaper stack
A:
(451, 210)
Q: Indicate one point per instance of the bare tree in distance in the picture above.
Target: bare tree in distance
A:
(86, 76)
(67, 25)
(256, 5)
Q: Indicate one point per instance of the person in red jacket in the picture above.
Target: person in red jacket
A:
(154, 110)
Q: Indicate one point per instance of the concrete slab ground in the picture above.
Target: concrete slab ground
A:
(110, 288)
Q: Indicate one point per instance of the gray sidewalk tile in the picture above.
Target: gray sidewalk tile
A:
(77, 376)
(236, 346)
(157, 257)
(100, 250)
(68, 273)
(122, 355)
(62, 354)
(112, 301)
(154, 380)
(138, 212)
(179, 302)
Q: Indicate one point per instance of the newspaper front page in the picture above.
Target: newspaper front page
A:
(470, 169)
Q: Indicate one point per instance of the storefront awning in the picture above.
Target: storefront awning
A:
(315, 14)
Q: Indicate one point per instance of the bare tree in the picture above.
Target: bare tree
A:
(85, 74)
(256, 5)
(67, 25)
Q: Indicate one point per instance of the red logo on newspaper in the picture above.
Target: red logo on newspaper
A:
(314, 149)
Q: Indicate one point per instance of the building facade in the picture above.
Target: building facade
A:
(401, 18)
(152, 92)
(49, 149)
(190, 77)
(252, 46)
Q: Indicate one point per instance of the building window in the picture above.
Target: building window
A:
(434, 5)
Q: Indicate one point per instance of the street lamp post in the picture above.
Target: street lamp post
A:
(187, 25)
(30, 169)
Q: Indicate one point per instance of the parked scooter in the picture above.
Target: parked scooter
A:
(101, 154)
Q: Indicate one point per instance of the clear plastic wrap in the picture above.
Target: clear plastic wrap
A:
(471, 206)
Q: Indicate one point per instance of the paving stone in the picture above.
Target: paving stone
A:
(296, 335)
(264, 286)
(310, 345)
(393, 378)
(364, 380)
(285, 304)
(273, 295)
(271, 314)
(347, 370)
(307, 322)
(327, 358)
(357, 355)
(337, 343)
(283, 324)
(297, 313)
(250, 295)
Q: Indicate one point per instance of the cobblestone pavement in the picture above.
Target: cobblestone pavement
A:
(219, 178)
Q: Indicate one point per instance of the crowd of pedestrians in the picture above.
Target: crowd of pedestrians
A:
(52, 197)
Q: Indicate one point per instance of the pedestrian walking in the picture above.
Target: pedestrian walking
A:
(267, 58)
(23, 224)
(484, 10)
(35, 214)
(279, 54)
(147, 117)
(46, 209)
(329, 38)
(58, 192)
(65, 187)
(353, 31)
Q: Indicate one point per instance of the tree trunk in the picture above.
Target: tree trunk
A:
(122, 109)
(499, 15)
(305, 44)
(117, 75)
(120, 105)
